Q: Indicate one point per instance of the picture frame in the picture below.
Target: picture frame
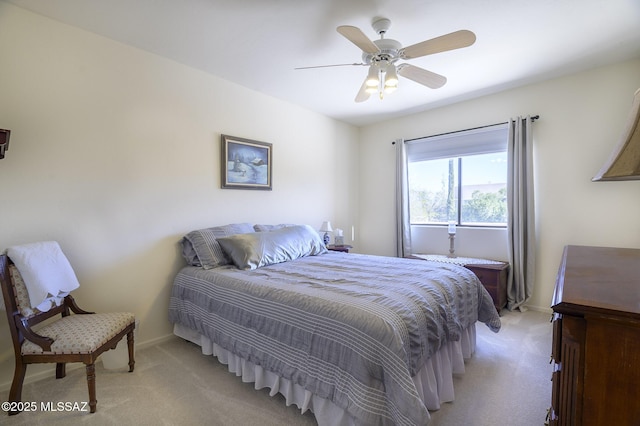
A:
(246, 163)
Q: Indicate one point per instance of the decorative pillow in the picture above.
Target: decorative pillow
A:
(189, 253)
(251, 251)
(266, 228)
(46, 272)
(201, 248)
(22, 295)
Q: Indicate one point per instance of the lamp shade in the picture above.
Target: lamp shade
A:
(391, 77)
(624, 161)
(326, 227)
(373, 80)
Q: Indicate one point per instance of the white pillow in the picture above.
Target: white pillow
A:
(46, 272)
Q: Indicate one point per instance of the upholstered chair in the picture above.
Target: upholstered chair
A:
(70, 335)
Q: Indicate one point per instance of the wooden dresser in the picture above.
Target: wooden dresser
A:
(596, 338)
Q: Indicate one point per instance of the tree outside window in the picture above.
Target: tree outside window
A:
(473, 185)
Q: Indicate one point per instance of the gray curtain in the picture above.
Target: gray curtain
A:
(403, 228)
(521, 220)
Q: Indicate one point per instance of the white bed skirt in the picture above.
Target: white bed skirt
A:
(434, 381)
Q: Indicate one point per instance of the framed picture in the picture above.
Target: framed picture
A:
(246, 164)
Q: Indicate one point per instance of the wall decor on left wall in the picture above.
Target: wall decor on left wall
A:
(245, 163)
(4, 141)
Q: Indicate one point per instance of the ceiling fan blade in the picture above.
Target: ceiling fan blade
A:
(422, 76)
(357, 37)
(327, 66)
(362, 95)
(454, 40)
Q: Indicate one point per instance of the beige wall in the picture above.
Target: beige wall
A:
(115, 154)
(581, 119)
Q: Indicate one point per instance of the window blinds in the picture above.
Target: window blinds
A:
(482, 140)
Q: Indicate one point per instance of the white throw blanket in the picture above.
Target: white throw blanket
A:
(46, 272)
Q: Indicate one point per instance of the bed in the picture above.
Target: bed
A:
(357, 339)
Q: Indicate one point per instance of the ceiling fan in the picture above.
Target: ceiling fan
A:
(381, 57)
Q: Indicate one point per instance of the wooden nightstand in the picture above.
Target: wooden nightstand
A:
(491, 273)
(343, 248)
(494, 278)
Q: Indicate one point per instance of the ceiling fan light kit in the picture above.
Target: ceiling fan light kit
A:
(381, 57)
(382, 78)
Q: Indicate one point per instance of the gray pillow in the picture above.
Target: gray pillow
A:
(201, 248)
(264, 228)
(251, 251)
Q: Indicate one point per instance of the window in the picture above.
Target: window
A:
(459, 177)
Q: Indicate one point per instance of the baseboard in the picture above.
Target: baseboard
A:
(544, 310)
(51, 371)
(153, 342)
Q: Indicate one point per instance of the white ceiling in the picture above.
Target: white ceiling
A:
(258, 43)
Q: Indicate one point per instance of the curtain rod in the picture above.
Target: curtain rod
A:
(533, 118)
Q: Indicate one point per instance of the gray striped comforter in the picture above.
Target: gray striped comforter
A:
(350, 328)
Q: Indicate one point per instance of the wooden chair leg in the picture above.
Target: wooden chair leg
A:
(15, 394)
(132, 361)
(91, 383)
(61, 370)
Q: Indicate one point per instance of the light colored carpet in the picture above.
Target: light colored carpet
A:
(507, 382)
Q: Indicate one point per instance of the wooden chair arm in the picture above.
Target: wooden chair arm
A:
(71, 303)
(42, 341)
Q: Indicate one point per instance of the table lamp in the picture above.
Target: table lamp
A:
(326, 228)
